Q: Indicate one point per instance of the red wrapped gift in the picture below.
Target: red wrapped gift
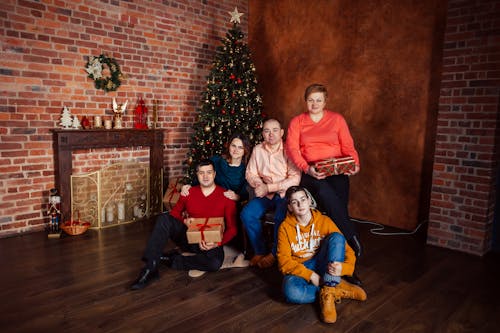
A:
(336, 165)
(209, 229)
(173, 193)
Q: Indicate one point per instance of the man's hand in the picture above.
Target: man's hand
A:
(261, 190)
(207, 246)
(315, 278)
(187, 221)
(334, 268)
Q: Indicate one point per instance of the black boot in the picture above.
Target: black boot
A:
(356, 246)
(352, 279)
(147, 275)
(168, 257)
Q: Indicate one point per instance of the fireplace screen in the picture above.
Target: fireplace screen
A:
(114, 195)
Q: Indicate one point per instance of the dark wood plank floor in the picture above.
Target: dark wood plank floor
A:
(80, 284)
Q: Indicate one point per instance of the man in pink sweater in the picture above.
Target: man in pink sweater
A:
(270, 173)
(205, 200)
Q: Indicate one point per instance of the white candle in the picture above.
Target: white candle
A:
(121, 211)
(110, 216)
(107, 124)
(103, 216)
(97, 121)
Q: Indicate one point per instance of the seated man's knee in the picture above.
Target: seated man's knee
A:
(294, 290)
(336, 237)
(214, 265)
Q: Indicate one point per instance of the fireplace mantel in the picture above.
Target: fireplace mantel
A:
(66, 141)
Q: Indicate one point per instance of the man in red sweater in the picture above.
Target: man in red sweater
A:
(205, 200)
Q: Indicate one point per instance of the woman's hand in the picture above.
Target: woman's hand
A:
(353, 172)
(313, 173)
(205, 246)
(334, 268)
(231, 195)
(315, 278)
(185, 190)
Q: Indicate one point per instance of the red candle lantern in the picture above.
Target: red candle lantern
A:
(140, 115)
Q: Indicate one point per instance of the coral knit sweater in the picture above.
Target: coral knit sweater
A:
(196, 204)
(308, 142)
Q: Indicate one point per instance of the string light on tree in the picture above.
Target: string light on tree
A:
(230, 102)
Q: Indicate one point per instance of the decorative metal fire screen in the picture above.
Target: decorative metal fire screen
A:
(114, 195)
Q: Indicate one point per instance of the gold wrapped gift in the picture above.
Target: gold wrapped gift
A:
(209, 229)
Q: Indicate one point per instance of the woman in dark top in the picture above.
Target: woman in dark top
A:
(230, 169)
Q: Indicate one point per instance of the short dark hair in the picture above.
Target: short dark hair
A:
(294, 189)
(313, 88)
(205, 162)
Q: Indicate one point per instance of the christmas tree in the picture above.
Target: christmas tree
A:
(230, 102)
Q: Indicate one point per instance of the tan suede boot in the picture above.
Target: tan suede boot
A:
(348, 290)
(327, 304)
(255, 259)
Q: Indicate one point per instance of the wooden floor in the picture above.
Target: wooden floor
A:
(80, 284)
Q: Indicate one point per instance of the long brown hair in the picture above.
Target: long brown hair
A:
(246, 147)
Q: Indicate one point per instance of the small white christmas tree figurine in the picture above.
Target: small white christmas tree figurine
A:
(76, 123)
(66, 119)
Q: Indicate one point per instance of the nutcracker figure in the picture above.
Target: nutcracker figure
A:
(54, 212)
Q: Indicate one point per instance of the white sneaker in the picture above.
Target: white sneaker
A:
(194, 273)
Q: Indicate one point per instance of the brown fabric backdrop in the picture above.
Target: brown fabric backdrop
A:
(380, 61)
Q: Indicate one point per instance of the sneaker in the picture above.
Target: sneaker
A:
(348, 290)
(267, 261)
(194, 273)
(327, 301)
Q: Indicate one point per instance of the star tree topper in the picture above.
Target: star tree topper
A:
(235, 16)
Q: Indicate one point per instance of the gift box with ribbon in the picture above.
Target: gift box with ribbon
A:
(173, 192)
(209, 229)
(335, 165)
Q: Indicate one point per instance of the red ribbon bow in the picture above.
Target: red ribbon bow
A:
(202, 226)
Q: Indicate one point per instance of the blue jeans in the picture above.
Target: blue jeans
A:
(251, 217)
(299, 290)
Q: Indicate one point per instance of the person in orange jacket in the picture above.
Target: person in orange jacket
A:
(313, 255)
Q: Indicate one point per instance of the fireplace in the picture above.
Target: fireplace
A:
(116, 187)
(116, 194)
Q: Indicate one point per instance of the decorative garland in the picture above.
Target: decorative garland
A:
(94, 69)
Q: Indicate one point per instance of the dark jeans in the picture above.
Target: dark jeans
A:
(169, 228)
(332, 196)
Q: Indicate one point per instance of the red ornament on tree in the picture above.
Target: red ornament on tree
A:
(140, 115)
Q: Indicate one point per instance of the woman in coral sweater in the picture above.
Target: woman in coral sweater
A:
(316, 135)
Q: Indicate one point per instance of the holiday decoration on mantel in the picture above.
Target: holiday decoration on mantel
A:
(76, 123)
(66, 118)
(119, 111)
(105, 72)
(140, 115)
(230, 102)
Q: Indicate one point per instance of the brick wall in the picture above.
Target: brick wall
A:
(466, 158)
(165, 49)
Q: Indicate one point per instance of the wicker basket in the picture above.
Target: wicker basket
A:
(74, 228)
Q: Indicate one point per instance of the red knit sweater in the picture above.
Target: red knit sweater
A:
(196, 204)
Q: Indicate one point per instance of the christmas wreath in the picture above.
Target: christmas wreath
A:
(95, 67)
